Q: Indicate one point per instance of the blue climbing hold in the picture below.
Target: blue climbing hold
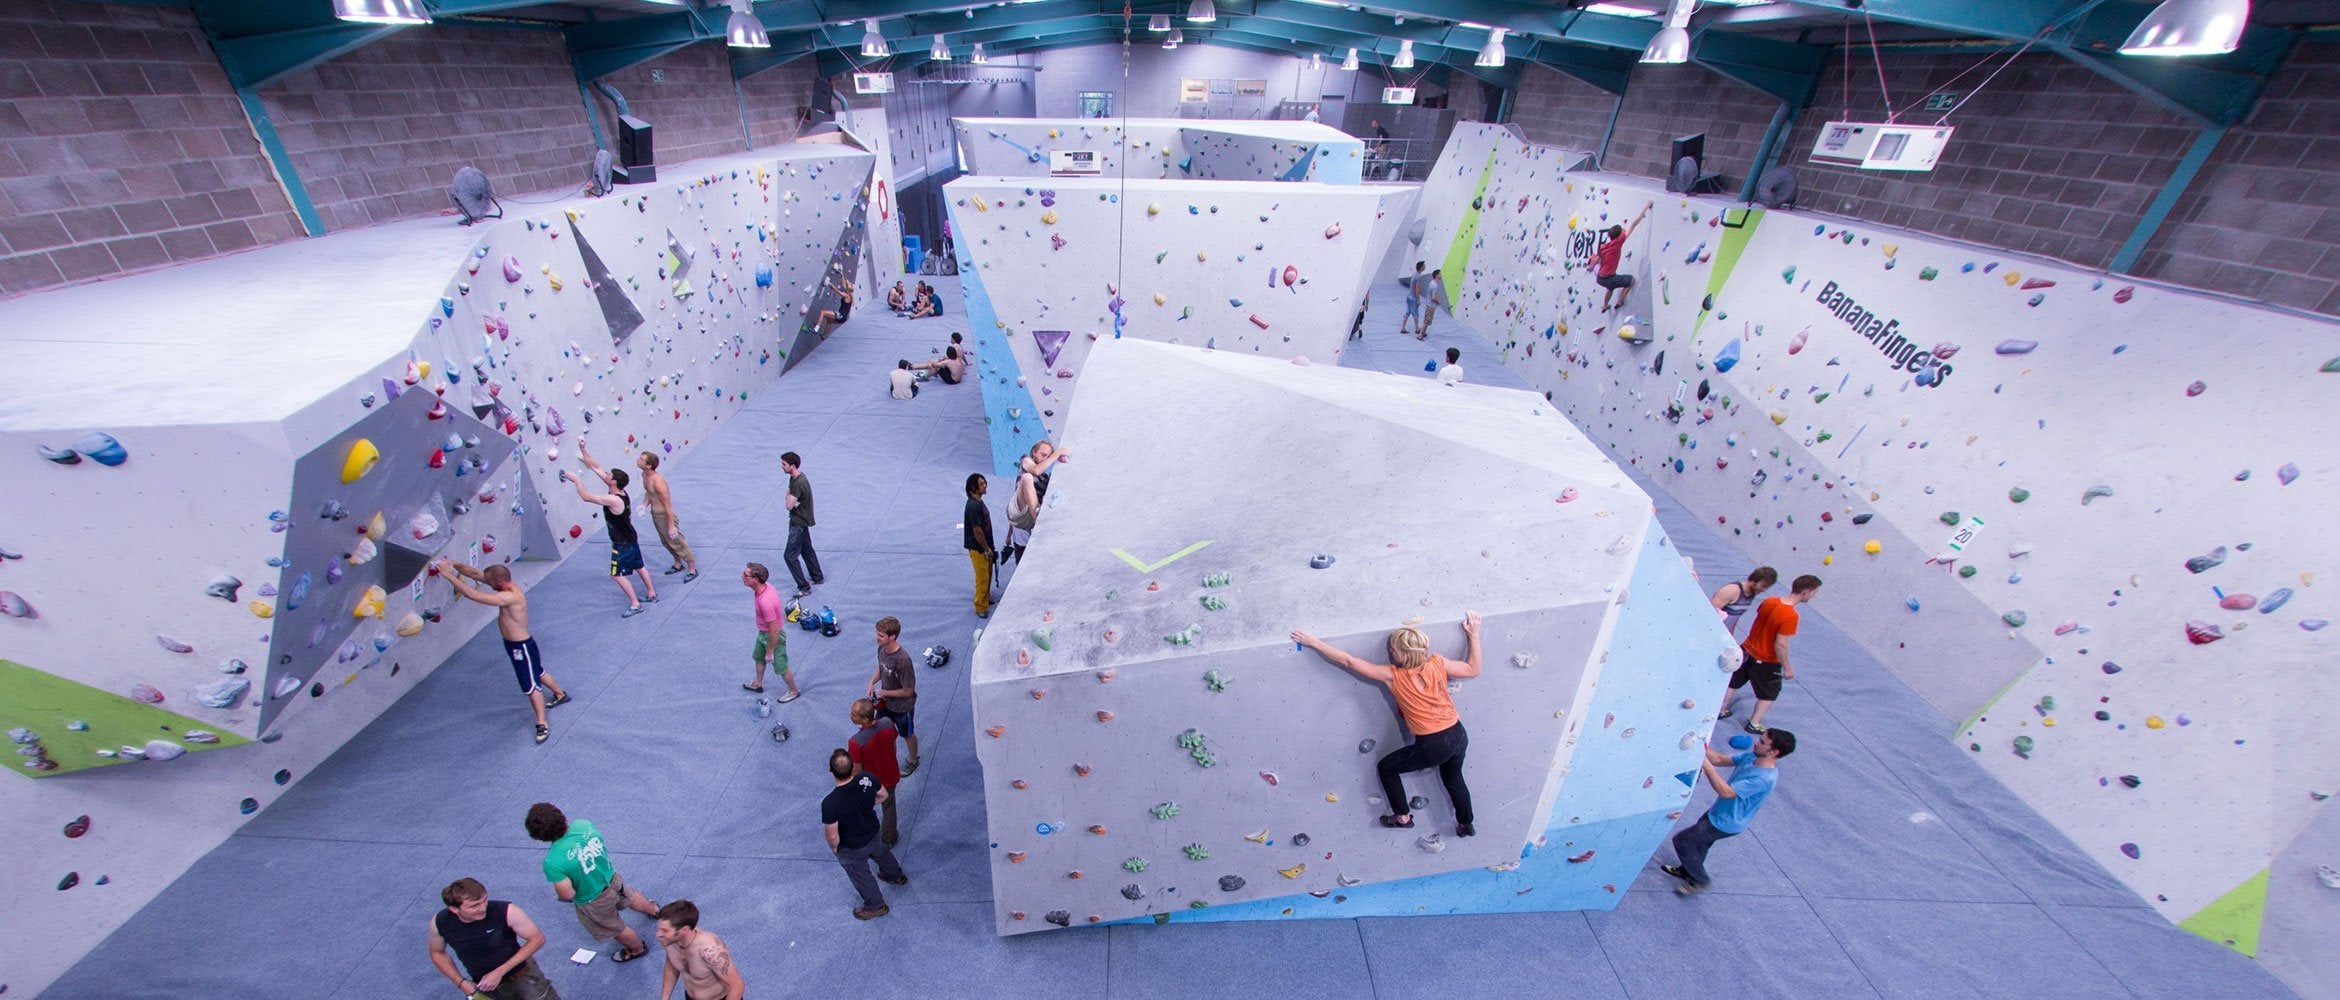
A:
(1728, 358)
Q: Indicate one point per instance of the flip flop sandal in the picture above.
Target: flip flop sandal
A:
(558, 702)
(1391, 821)
(543, 733)
(621, 956)
(751, 687)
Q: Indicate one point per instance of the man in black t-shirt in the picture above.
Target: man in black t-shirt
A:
(496, 941)
(975, 533)
(849, 819)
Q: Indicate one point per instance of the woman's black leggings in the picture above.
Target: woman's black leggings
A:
(1443, 750)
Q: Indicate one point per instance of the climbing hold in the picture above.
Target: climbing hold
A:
(2015, 619)
(1218, 681)
(1166, 810)
(2093, 492)
(2277, 599)
(2010, 347)
(1320, 561)
(1951, 518)
(14, 606)
(2203, 633)
(1366, 746)
(1230, 883)
(1197, 852)
(361, 459)
(1299, 840)
(1270, 778)
(1872, 546)
(2203, 563)
(2287, 473)
(2018, 495)
(2023, 745)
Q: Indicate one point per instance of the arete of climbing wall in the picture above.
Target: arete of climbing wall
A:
(883, 264)
(1051, 266)
(2080, 515)
(1164, 148)
(1154, 745)
(232, 476)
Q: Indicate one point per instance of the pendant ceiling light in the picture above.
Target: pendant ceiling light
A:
(744, 31)
(939, 52)
(873, 45)
(1492, 55)
(1202, 11)
(1671, 45)
(977, 57)
(1174, 39)
(1405, 56)
(2190, 28)
(1349, 62)
(1158, 23)
(381, 11)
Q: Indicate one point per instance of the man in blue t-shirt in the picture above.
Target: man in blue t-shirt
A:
(1753, 775)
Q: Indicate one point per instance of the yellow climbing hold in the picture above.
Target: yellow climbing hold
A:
(370, 605)
(981, 205)
(1330, 797)
(1292, 872)
(2154, 722)
(422, 369)
(1628, 332)
(1052, 133)
(1827, 560)
(1891, 249)
(1258, 838)
(2048, 721)
(1779, 416)
(1159, 299)
(1573, 221)
(1154, 209)
(262, 609)
(377, 527)
(362, 456)
(1872, 546)
(1048, 217)
(2013, 278)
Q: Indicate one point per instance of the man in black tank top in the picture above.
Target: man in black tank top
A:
(617, 511)
(496, 942)
(1733, 599)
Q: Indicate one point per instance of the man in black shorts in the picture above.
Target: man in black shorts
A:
(1614, 286)
(625, 545)
(512, 622)
(496, 941)
(895, 684)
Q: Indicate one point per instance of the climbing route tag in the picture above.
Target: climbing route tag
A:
(1965, 534)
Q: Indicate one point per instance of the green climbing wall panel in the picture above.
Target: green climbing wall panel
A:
(2233, 920)
(44, 703)
(1738, 226)
(1458, 255)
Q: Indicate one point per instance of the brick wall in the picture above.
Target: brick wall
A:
(776, 99)
(693, 110)
(1559, 110)
(2050, 159)
(2263, 218)
(121, 146)
(378, 133)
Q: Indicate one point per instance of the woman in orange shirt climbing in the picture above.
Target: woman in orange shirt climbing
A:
(1417, 677)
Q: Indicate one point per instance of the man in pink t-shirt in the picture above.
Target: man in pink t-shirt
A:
(771, 631)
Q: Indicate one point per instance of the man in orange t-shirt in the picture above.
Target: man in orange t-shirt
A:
(1765, 662)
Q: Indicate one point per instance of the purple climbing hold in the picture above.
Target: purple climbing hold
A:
(2016, 346)
(2200, 564)
(2283, 475)
(2111, 668)
(2130, 850)
(2313, 624)
(2199, 387)
(1051, 344)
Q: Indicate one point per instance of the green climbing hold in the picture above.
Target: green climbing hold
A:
(1197, 852)
(2015, 619)
(1966, 572)
(1824, 435)
(2018, 495)
(1134, 865)
(1185, 636)
(1197, 904)
(1218, 681)
(1166, 810)
(1951, 518)
(1929, 274)
(1822, 398)
(1217, 579)
(2047, 703)
(2023, 744)
(1191, 739)
(2331, 367)
(1213, 602)
(1045, 638)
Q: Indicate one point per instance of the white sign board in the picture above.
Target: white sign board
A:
(873, 83)
(1397, 95)
(1074, 162)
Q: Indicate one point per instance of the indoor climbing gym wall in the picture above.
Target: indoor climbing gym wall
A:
(1467, 158)
(2078, 514)
(883, 265)
(1050, 266)
(229, 480)
(1141, 754)
(1163, 148)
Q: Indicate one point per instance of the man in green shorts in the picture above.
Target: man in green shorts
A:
(581, 872)
(771, 631)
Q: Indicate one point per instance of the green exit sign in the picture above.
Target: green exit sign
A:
(1941, 101)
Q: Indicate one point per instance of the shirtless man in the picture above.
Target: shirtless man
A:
(695, 957)
(625, 544)
(660, 500)
(512, 621)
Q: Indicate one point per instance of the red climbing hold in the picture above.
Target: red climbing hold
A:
(576, 531)
(438, 458)
(2203, 633)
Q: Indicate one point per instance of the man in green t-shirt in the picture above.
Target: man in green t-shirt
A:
(581, 872)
